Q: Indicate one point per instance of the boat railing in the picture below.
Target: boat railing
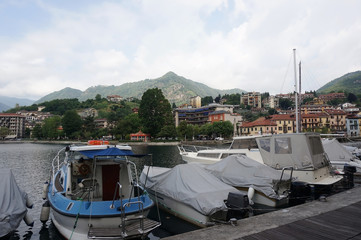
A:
(56, 164)
(283, 170)
(191, 148)
(141, 218)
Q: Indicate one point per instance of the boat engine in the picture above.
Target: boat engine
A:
(300, 192)
(238, 205)
(348, 180)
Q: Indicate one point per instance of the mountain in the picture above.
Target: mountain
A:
(10, 102)
(175, 88)
(62, 94)
(350, 82)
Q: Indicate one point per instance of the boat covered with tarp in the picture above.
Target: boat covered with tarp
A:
(13, 203)
(263, 184)
(188, 191)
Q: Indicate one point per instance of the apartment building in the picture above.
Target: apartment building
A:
(15, 123)
(252, 99)
(195, 102)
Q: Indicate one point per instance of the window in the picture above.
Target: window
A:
(280, 128)
(283, 146)
(265, 144)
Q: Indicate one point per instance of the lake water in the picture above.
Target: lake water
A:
(31, 165)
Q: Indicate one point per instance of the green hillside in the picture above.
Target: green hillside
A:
(350, 82)
(175, 88)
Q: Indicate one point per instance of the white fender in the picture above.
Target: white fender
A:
(250, 195)
(45, 211)
(45, 190)
(29, 203)
(28, 220)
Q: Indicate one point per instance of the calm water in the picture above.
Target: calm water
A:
(31, 165)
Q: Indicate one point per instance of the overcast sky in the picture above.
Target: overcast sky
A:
(46, 45)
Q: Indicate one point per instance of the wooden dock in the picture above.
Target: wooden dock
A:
(338, 217)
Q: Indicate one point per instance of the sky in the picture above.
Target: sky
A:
(47, 45)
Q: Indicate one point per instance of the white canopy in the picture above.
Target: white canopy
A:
(241, 171)
(336, 151)
(189, 184)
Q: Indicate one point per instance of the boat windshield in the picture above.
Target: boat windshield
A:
(244, 143)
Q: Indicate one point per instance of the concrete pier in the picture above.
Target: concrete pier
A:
(336, 217)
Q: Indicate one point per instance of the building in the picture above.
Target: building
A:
(140, 136)
(331, 96)
(199, 116)
(195, 102)
(88, 112)
(272, 102)
(219, 116)
(15, 123)
(101, 123)
(252, 99)
(352, 126)
(258, 127)
(114, 98)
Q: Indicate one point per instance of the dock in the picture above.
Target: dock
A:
(336, 217)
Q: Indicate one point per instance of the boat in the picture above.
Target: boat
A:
(94, 193)
(340, 156)
(13, 204)
(189, 192)
(263, 185)
(301, 152)
(240, 146)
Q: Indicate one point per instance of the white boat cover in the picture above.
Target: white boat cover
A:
(189, 184)
(242, 171)
(336, 151)
(12, 202)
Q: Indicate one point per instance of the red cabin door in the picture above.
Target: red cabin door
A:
(110, 177)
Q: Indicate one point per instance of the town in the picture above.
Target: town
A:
(256, 113)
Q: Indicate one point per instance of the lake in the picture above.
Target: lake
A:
(31, 165)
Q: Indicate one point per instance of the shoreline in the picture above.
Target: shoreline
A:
(85, 142)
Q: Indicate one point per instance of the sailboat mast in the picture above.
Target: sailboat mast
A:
(300, 99)
(296, 95)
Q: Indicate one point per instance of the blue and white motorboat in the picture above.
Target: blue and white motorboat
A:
(94, 194)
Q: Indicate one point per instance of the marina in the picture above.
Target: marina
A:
(27, 158)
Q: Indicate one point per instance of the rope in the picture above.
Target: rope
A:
(76, 219)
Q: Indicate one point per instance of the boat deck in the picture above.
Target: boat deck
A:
(131, 231)
(336, 218)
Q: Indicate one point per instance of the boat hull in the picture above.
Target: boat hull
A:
(65, 224)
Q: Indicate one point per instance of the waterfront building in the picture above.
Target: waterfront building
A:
(252, 99)
(199, 116)
(258, 127)
(140, 136)
(15, 123)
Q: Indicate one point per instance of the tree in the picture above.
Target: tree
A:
(224, 129)
(168, 131)
(129, 124)
(218, 98)
(4, 131)
(155, 111)
(207, 100)
(50, 128)
(37, 132)
(72, 124)
(351, 97)
(285, 103)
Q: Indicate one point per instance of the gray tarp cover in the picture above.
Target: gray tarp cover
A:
(336, 151)
(241, 171)
(191, 185)
(12, 203)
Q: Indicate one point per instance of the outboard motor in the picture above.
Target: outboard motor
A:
(348, 179)
(238, 205)
(300, 192)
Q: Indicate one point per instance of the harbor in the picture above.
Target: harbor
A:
(25, 158)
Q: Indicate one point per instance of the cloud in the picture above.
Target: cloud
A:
(222, 43)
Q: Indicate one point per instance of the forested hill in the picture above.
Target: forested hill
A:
(350, 82)
(175, 88)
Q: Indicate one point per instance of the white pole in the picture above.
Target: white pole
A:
(296, 95)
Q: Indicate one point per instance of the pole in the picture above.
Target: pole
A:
(300, 98)
(296, 95)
